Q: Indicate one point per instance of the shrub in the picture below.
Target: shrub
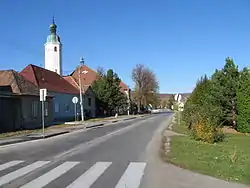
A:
(204, 131)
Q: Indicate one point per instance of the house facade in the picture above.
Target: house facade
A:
(89, 99)
(60, 88)
(20, 104)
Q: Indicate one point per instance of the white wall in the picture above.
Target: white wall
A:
(53, 59)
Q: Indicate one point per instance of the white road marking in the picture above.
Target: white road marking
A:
(22, 171)
(46, 178)
(132, 176)
(9, 164)
(89, 177)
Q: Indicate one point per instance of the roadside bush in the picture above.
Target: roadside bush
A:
(204, 131)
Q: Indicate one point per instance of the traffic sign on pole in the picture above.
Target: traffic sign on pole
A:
(75, 101)
(177, 97)
(43, 94)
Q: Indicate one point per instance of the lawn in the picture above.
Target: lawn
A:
(228, 160)
(180, 128)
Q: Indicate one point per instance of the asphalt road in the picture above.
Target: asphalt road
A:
(114, 156)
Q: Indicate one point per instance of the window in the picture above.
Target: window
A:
(66, 107)
(55, 49)
(34, 109)
(46, 108)
(89, 101)
(56, 107)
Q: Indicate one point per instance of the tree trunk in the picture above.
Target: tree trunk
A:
(139, 106)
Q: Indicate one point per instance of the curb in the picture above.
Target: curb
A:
(14, 142)
(47, 136)
(29, 138)
(129, 118)
(97, 125)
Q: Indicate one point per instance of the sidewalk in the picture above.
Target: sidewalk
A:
(69, 127)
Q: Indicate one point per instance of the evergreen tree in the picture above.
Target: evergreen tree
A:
(225, 84)
(243, 102)
(107, 91)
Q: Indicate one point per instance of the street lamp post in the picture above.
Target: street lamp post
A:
(80, 85)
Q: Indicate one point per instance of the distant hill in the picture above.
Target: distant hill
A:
(166, 96)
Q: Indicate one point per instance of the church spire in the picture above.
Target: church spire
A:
(53, 27)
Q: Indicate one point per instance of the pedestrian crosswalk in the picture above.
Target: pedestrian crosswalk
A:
(130, 178)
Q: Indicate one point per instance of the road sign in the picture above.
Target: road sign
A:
(75, 100)
(177, 97)
(43, 94)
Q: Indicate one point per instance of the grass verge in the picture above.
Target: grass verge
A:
(180, 128)
(228, 160)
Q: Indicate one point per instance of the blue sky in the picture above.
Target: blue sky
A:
(179, 40)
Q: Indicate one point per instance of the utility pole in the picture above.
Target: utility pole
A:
(80, 85)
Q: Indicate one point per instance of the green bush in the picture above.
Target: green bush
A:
(243, 102)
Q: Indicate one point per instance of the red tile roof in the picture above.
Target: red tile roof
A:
(88, 76)
(123, 86)
(18, 83)
(44, 78)
(73, 82)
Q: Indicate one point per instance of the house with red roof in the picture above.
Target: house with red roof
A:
(88, 76)
(20, 104)
(63, 89)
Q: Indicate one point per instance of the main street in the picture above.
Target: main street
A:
(113, 156)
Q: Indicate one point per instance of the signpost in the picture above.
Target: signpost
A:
(178, 97)
(75, 101)
(43, 94)
(180, 106)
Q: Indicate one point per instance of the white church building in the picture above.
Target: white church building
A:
(53, 51)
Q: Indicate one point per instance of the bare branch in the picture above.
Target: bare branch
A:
(146, 84)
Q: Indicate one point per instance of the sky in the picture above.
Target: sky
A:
(179, 40)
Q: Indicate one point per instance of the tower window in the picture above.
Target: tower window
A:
(55, 49)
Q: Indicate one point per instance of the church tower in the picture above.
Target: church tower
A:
(53, 51)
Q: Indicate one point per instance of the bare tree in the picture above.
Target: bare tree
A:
(100, 72)
(146, 85)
